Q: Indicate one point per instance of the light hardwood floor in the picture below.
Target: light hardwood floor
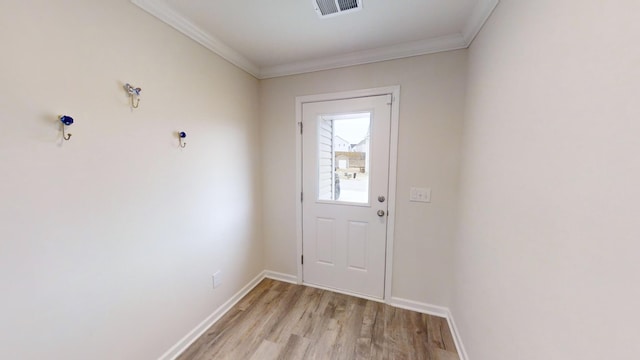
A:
(278, 320)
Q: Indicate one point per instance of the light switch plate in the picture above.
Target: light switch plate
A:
(420, 194)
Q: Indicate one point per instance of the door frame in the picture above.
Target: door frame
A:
(394, 91)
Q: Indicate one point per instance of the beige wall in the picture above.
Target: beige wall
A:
(431, 110)
(108, 241)
(547, 259)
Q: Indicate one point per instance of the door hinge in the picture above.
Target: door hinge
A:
(301, 197)
(302, 259)
(300, 123)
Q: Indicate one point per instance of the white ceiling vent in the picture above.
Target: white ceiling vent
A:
(326, 8)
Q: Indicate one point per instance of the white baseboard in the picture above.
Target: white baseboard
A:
(419, 307)
(435, 311)
(462, 352)
(281, 277)
(194, 334)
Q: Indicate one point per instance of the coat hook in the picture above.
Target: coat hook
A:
(134, 94)
(182, 135)
(65, 121)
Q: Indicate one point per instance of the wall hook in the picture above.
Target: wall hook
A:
(64, 122)
(182, 135)
(134, 94)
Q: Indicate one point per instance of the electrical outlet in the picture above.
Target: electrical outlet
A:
(217, 279)
(420, 194)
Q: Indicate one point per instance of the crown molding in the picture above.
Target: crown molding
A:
(479, 16)
(169, 16)
(397, 51)
(481, 13)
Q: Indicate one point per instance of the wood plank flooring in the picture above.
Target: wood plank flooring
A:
(278, 320)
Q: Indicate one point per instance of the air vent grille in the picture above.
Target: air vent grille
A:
(334, 7)
(347, 4)
(327, 7)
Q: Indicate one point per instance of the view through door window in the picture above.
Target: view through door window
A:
(343, 169)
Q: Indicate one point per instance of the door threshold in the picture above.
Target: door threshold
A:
(345, 292)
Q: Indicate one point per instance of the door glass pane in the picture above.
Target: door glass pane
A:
(343, 150)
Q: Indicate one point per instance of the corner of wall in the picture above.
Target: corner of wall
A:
(457, 338)
(199, 330)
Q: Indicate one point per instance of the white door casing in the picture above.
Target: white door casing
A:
(344, 241)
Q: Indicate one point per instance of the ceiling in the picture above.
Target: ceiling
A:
(270, 38)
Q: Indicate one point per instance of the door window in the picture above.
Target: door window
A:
(344, 158)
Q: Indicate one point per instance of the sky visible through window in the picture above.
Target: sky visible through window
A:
(352, 130)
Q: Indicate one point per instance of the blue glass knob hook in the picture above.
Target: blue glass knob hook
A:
(66, 121)
(182, 135)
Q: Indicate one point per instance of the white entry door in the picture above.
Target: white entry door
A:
(345, 177)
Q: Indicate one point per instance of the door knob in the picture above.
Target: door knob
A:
(381, 198)
(381, 213)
